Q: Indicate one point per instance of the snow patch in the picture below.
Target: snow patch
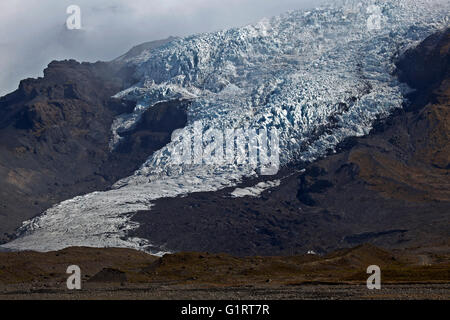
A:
(256, 190)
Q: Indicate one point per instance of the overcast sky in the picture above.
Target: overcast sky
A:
(33, 32)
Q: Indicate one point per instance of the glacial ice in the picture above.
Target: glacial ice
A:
(256, 190)
(317, 76)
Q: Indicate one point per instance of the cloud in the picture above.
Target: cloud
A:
(33, 32)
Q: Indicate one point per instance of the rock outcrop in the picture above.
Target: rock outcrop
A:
(55, 136)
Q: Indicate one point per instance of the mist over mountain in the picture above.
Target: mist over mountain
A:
(33, 32)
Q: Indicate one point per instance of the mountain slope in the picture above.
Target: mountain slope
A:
(390, 188)
(55, 137)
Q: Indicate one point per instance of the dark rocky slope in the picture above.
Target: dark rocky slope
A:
(390, 188)
(55, 133)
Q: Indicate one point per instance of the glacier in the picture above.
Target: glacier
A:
(317, 76)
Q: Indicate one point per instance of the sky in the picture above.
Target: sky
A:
(34, 32)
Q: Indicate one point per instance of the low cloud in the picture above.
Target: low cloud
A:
(33, 32)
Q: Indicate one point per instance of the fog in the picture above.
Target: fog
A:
(33, 32)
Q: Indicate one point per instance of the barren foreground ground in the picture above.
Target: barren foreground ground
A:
(419, 273)
(268, 292)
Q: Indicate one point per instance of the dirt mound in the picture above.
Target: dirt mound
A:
(55, 136)
(103, 267)
(51, 267)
